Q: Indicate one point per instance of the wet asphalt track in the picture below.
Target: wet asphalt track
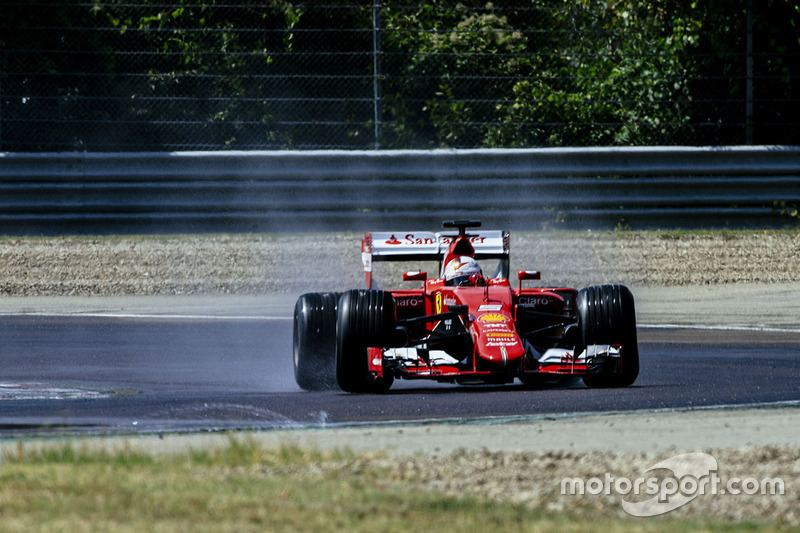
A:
(149, 375)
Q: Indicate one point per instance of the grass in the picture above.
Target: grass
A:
(246, 487)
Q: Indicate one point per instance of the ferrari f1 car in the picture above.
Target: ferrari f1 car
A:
(460, 326)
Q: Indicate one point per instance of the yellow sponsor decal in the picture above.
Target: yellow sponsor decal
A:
(496, 335)
(438, 302)
(493, 317)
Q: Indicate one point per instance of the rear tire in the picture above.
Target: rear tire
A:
(365, 318)
(314, 351)
(607, 315)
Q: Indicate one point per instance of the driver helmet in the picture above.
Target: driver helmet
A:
(460, 269)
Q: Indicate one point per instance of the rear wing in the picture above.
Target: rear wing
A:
(429, 246)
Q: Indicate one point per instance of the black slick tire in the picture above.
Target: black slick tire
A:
(314, 341)
(607, 315)
(365, 318)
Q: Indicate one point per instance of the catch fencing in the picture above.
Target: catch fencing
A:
(140, 75)
(281, 191)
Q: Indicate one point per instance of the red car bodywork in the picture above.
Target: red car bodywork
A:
(481, 330)
(489, 309)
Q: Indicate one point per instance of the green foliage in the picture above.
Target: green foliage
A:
(594, 75)
(212, 74)
(789, 209)
(449, 73)
(203, 54)
(628, 81)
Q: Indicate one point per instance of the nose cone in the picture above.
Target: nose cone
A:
(496, 339)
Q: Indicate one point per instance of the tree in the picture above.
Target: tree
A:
(445, 69)
(609, 76)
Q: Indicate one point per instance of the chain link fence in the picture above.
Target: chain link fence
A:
(190, 75)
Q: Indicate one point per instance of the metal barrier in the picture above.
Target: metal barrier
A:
(580, 188)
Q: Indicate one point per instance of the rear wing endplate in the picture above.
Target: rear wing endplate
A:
(428, 246)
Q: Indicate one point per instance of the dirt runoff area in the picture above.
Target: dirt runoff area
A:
(263, 264)
(524, 461)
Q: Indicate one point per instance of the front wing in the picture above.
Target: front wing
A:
(438, 365)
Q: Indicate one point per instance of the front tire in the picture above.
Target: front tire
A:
(607, 315)
(365, 318)
(314, 341)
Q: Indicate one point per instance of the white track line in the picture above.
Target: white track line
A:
(149, 316)
(720, 327)
(505, 419)
(177, 316)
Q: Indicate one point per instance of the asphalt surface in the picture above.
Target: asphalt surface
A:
(132, 366)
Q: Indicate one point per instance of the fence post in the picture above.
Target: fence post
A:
(748, 119)
(376, 69)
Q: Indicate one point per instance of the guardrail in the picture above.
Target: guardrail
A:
(666, 187)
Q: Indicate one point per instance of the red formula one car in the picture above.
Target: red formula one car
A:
(461, 326)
